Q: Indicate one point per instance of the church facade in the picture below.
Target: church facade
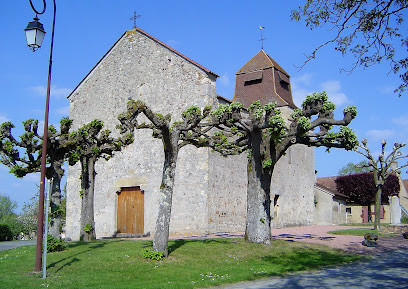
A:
(210, 190)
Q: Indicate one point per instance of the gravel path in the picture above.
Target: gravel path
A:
(319, 234)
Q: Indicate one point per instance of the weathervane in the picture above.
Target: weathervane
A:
(262, 39)
(134, 18)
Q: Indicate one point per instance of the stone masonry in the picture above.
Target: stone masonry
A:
(210, 191)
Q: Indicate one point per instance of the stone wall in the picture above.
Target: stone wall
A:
(227, 194)
(323, 207)
(140, 68)
(292, 188)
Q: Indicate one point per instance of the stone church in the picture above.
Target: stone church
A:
(210, 191)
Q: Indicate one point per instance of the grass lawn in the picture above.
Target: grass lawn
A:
(191, 264)
(356, 232)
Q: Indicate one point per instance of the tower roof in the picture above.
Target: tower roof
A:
(261, 61)
(263, 79)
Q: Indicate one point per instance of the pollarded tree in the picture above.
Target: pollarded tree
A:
(382, 167)
(86, 145)
(360, 188)
(265, 135)
(30, 161)
(372, 30)
(174, 136)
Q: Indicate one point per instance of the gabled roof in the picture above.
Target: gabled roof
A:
(176, 52)
(329, 184)
(260, 61)
(155, 40)
(226, 100)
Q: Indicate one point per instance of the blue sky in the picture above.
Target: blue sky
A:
(220, 35)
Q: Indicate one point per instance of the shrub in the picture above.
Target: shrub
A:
(152, 254)
(55, 244)
(404, 220)
(5, 233)
(12, 222)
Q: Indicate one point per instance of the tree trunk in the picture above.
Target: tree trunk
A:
(161, 235)
(258, 221)
(55, 205)
(377, 207)
(87, 191)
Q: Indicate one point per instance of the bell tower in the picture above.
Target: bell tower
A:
(262, 78)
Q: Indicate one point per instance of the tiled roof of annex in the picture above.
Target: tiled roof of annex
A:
(329, 184)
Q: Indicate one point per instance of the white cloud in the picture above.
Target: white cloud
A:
(303, 86)
(380, 134)
(401, 121)
(305, 79)
(333, 90)
(41, 90)
(225, 80)
(299, 90)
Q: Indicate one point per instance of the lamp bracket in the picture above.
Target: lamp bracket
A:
(35, 10)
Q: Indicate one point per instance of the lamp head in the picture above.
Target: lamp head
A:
(34, 34)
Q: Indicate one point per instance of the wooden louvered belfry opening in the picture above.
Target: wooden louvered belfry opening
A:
(130, 213)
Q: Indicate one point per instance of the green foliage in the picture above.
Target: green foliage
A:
(262, 220)
(349, 136)
(267, 164)
(95, 150)
(55, 244)
(5, 233)
(351, 168)
(255, 106)
(191, 112)
(226, 109)
(404, 220)
(372, 31)
(355, 232)
(88, 228)
(13, 224)
(351, 109)
(296, 114)
(7, 206)
(66, 121)
(152, 254)
(75, 156)
(52, 129)
(303, 123)
(249, 153)
(269, 107)
(345, 136)
(314, 98)
(328, 106)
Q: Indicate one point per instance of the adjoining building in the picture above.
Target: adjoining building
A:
(332, 206)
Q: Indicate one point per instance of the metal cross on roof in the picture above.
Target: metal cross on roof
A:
(262, 39)
(134, 18)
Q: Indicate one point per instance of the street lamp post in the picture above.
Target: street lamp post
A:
(34, 35)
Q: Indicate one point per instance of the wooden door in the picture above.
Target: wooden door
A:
(130, 216)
